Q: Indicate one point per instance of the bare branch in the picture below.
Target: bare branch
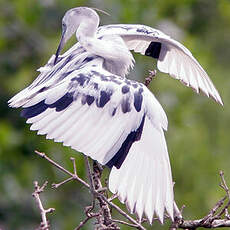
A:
(223, 184)
(106, 219)
(126, 223)
(36, 194)
(152, 74)
(193, 224)
(211, 220)
(124, 214)
(89, 173)
(114, 196)
(74, 175)
(54, 185)
(226, 189)
(98, 192)
(86, 220)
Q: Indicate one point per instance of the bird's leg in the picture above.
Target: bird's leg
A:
(152, 74)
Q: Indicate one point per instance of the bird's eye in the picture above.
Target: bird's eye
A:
(63, 26)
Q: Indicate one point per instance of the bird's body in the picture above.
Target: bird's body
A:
(83, 99)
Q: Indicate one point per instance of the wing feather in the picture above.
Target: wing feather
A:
(71, 122)
(98, 113)
(159, 195)
(65, 121)
(174, 59)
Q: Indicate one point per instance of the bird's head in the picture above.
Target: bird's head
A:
(73, 20)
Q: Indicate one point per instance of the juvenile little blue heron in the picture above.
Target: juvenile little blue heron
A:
(82, 98)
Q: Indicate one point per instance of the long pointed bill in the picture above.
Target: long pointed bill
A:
(60, 46)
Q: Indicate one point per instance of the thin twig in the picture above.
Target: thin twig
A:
(210, 220)
(214, 210)
(114, 196)
(89, 173)
(223, 184)
(82, 223)
(74, 165)
(56, 185)
(226, 189)
(123, 213)
(152, 74)
(126, 223)
(73, 175)
(43, 155)
(36, 194)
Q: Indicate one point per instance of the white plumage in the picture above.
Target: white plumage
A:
(145, 176)
(82, 98)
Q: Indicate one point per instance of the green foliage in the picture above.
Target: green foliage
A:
(197, 138)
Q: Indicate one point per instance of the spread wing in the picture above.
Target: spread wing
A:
(173, 57)
(116, 121)
(85, 110)
(71, 103)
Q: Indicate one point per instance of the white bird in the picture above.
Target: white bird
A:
(83, 99)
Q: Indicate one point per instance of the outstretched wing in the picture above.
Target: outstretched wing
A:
(89, 109)
(173, 57)
(103, 116)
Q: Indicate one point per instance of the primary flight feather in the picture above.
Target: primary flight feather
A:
(83, 99)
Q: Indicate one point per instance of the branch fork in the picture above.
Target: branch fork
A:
(105, 204)
(218, 216)
(36, 194)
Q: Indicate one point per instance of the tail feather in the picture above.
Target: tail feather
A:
(144, 181)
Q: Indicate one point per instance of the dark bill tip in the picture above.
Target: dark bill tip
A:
(60, 46)
(58, 52)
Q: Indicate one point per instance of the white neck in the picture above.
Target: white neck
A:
(87, 28)
(112, 48)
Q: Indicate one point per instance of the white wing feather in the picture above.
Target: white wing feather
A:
(96, 132)
(143, 181)
(175, 59)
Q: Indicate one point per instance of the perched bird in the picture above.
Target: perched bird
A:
(83, 99)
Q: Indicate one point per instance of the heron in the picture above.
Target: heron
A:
(83, 99)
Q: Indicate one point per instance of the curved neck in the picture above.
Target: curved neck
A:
(117, 57)
(87, 28)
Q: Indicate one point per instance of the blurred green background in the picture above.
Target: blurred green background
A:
(198, 135)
